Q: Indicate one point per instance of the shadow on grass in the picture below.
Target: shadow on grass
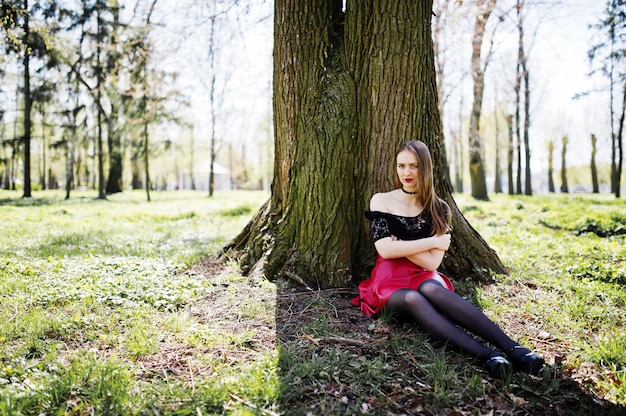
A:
(334, 360)
(27, 202)
(42, 202)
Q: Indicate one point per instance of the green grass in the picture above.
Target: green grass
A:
(568, 256)
(107, 309)
(95, 303)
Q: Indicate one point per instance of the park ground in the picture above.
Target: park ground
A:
(121, 307)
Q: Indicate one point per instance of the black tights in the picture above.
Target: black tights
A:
(428, 305)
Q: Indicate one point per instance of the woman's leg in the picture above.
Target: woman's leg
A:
(464, 314)
(410, 304)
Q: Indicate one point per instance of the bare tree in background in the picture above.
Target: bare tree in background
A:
(564, 187)
(442, 10)
(522, 71)
(551, 188)
(509, 153)
(497, 186)
(484, 8)
(212, 109)
(594, 169)
(610, 53)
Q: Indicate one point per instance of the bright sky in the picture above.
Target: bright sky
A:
(563, 68)
(558, 64)
(556, 41)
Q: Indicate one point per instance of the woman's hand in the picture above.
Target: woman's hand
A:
(430, 259)
(442, 242)
(393, 248)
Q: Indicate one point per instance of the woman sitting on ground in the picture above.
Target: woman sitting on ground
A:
(410, 228)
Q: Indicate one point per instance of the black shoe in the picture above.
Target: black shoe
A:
(499, 367)
(529, 362)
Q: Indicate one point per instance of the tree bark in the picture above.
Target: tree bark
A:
(522, 64)
(594, 169)
(497, 185)
(620, 146)
(348, 90)
(519, 75)
(114, 182)
(71, 151)
(477, 167)
(509, 158)
(213, 150)
(28, 104)
(564, 187)
(551, 167)
(101, 115)
(146, 158)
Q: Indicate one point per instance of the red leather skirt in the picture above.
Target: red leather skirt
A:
(390, 275)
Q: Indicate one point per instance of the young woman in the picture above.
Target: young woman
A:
(410, 229)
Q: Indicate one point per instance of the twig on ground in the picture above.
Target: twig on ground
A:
(297, 279)
(193, 383)
(332, 340)
(554, 344)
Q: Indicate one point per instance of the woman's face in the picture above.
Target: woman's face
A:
(407, 168)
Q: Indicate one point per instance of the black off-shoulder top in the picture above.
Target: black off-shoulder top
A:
(383, 225)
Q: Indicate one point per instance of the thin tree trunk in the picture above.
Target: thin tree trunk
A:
(522, 64)
(528, 190)
(458, 152)
(518, 137)
(192, 151)
(509, 158)
(612, 55)
(212, 106)
(551, 167)
(28, 104)
(477, 167)
(114, 136)
(146, 159)
(620, 147)
(99, 85)
(497, 186)
(594, 169)
(564, 187)
(457, 148)
(518, 155)
(69, 172)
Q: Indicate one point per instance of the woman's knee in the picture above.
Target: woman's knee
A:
(430, 287)
(405, 298)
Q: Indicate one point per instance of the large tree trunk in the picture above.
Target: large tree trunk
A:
(343, 104)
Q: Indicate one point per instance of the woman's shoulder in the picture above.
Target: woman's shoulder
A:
(381, 201)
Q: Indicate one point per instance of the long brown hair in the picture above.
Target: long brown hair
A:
(437, 207)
